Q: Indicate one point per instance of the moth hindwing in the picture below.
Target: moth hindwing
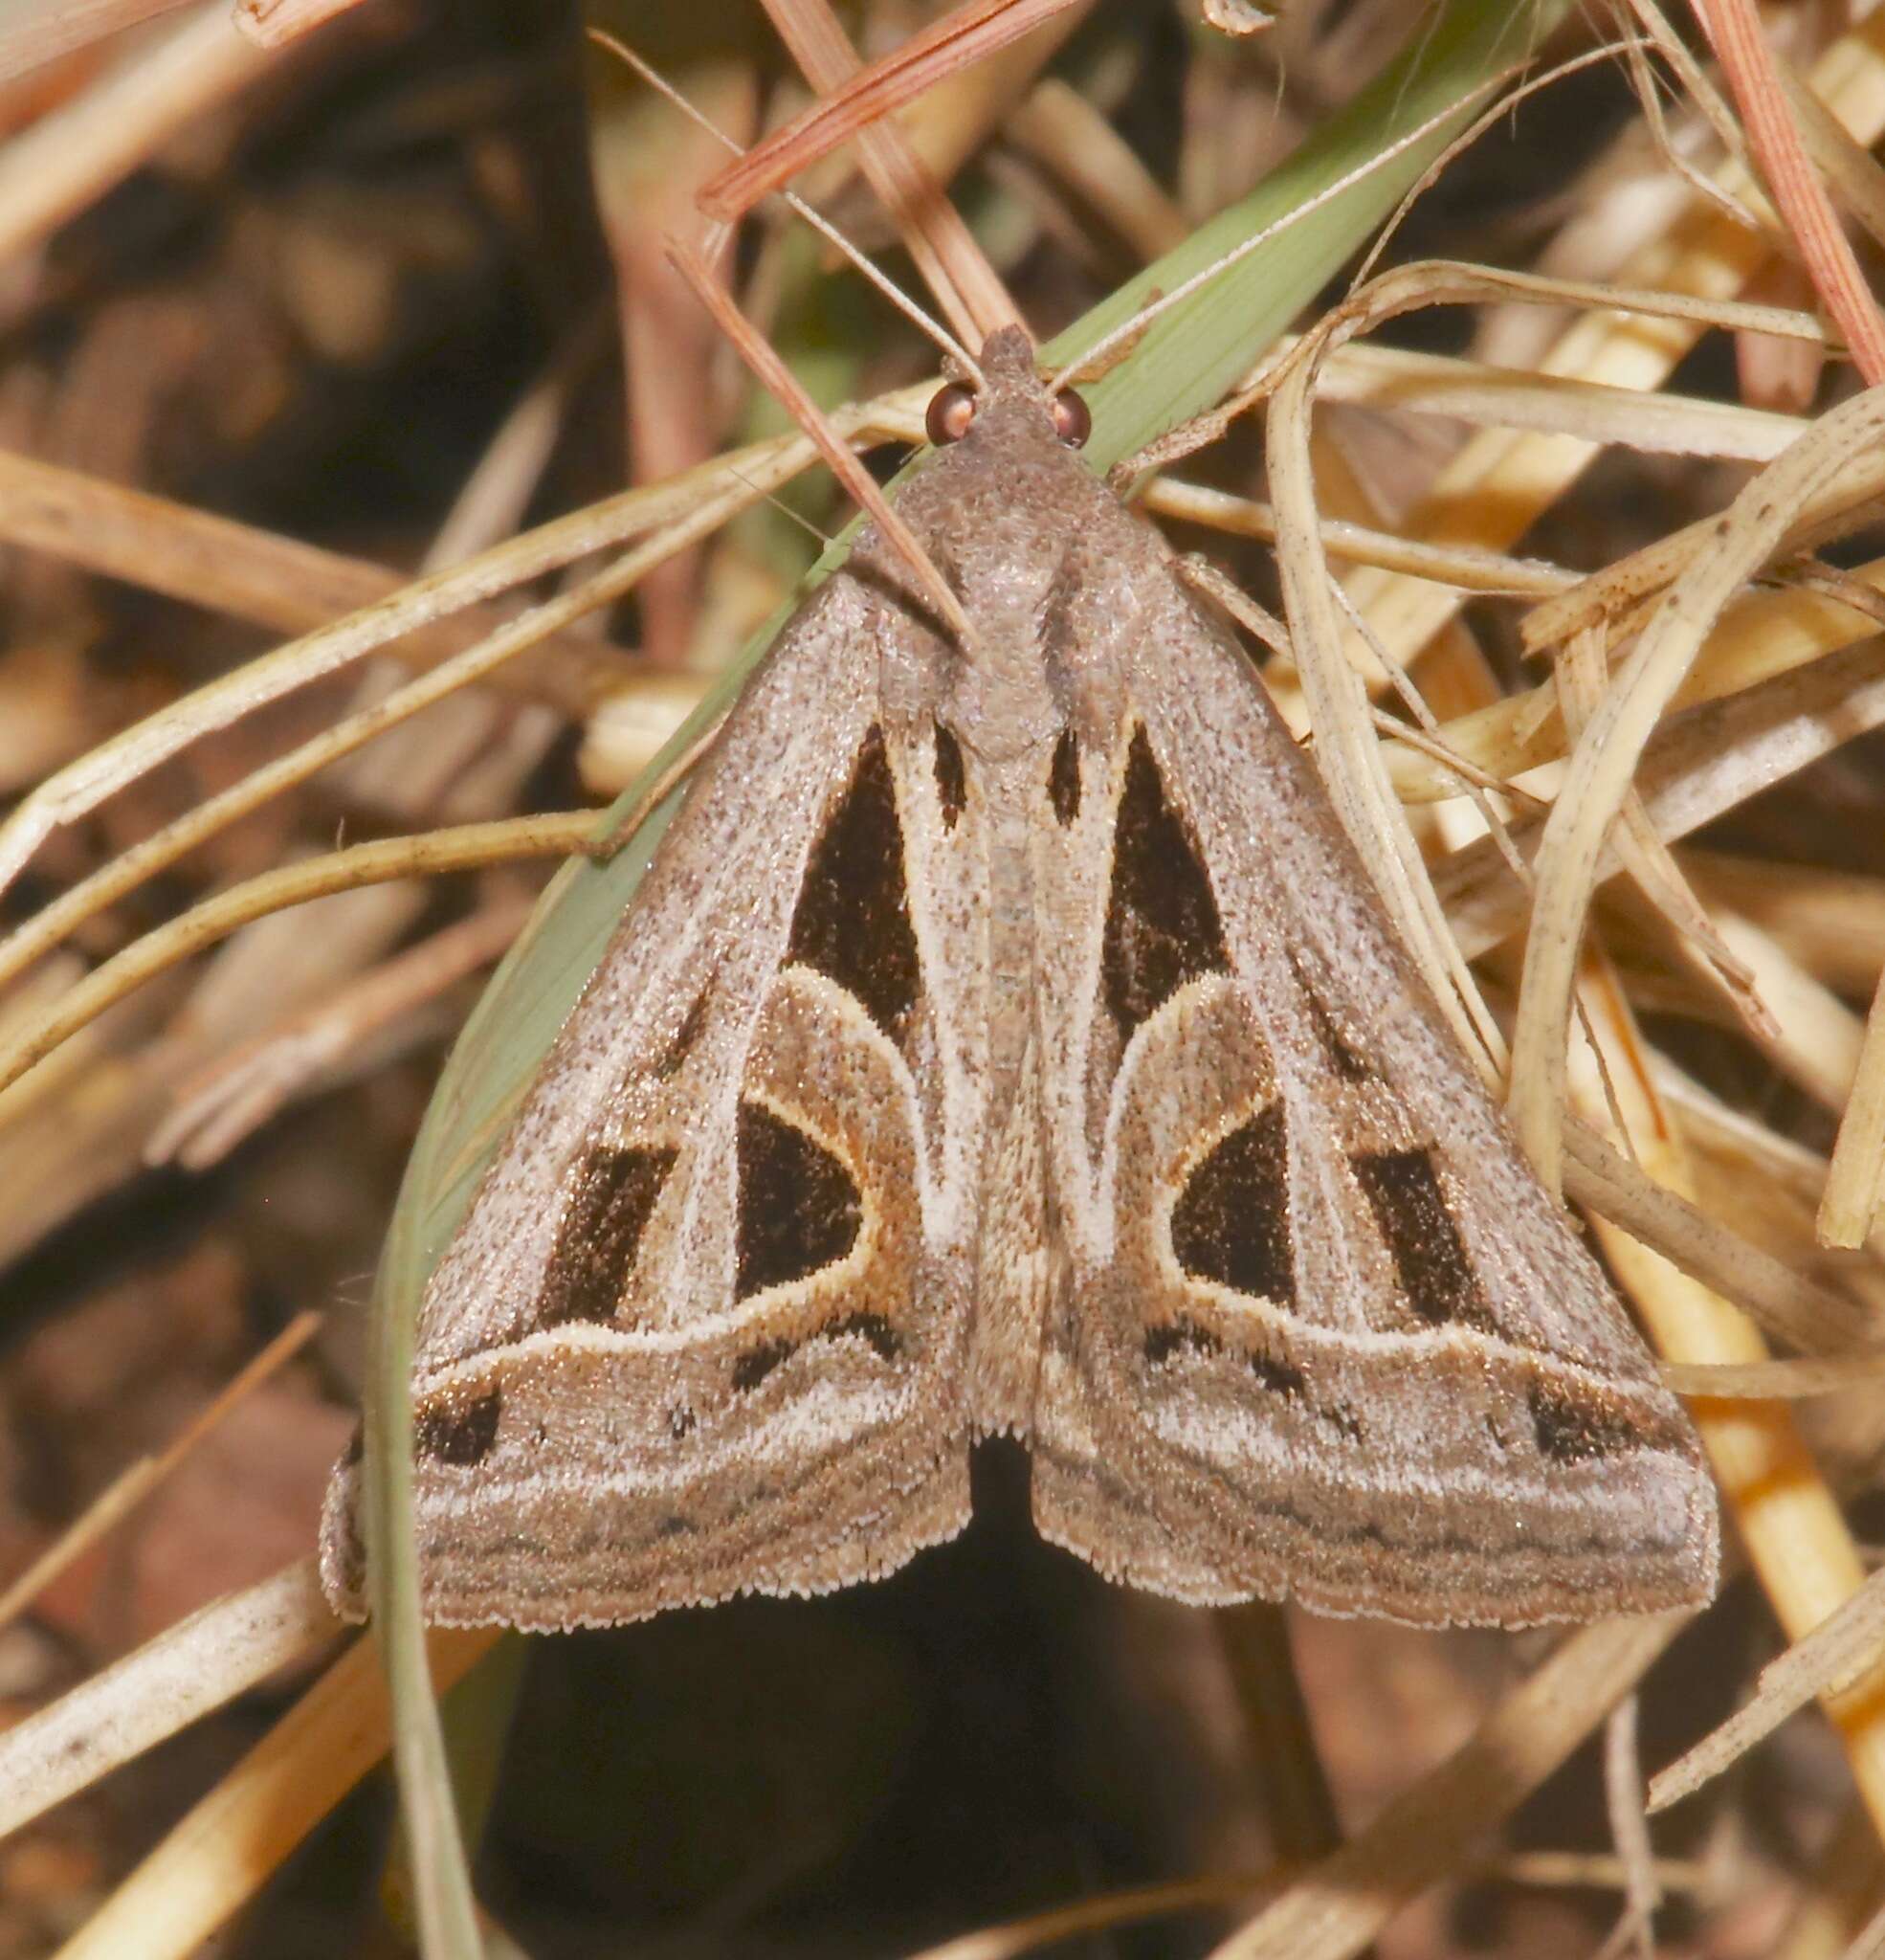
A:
(1006, 1037)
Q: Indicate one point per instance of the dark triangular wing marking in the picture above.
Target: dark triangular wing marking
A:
(615, 1192)
(1437, 1278)
(1161, 917)
(799, 1207)
(1231, 1222)
(853, 918)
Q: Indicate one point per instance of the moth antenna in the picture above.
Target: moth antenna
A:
(785, 509)
(783, 384)
(912, 310)
(1070, 374)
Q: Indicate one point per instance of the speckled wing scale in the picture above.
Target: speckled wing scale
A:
(1006, 1037)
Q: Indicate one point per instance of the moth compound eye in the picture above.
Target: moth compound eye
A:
(1073, 420)
(951, 410)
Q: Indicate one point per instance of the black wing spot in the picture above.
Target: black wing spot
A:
(615, 1195)
(1403, 1191)
(685, 1035)
(1063, 779)
(1161, 921)
(458, 1433)
(798, 1209)
(1182, 1335)
(1232, 1224)
(1280, 1377)
(853, 918)
(680, 1423)
(1569, 1429)
(757, 1363)
(951, 777)
(871, 1327)
(1347, 1061)
(1170, 1337)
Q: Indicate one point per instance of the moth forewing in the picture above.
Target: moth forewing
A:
(688, 1340)
(1005, 1037)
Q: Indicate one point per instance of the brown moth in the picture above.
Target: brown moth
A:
(1007, 1038)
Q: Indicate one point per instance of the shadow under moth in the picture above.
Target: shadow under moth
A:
(1007, 1038)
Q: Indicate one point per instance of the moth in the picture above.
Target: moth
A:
(1006, 1037)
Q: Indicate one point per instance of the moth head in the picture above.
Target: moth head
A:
(952, 414)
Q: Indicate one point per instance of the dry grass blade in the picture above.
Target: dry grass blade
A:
(1500, 483)
(1805, 1030)
(468, 847)
(1701, 764)
(146, 1698)
(1111, 1909)
(35, 31)
(1629, 1829)
(1663, 423)
(1062, 130)
(1593, 410)
(131, 867)
(66, 161)
(695, 498)
(240, 1091)
(1469, 570)
(947, 46)
(1602, 767)
(1645, 857)
(1857, 1170)
(222, 1853)
(1735, 30)
(830, 233)
(1795, 1535)
(1763, 634)
(1831, 1659)
(1350, 758)
(245, 572)
(1613, 596)
(1098, 1915)
(1773, 1381)
(1337, 1908)
(952, 266)
(1851, 170)
(1787, 1304)
(783, 384)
